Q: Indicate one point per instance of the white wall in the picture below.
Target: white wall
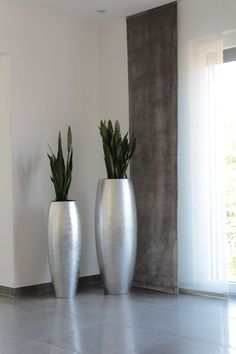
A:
(114, 74)
(60, 74)
(6, 208)
(54, 82)
(228, 14)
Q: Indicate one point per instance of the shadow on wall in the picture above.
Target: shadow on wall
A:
(30, 221)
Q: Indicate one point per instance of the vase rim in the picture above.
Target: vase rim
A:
(114, 179)
(63, 201)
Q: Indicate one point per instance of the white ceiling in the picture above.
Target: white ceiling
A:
(85, 10)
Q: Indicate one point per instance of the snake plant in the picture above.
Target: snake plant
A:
(117, 150)
(61, 171)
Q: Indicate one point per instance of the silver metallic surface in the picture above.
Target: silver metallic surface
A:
(116, 233)
(64, 247)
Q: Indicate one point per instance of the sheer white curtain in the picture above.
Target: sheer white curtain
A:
(201, 219)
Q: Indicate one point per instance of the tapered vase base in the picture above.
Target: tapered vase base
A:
(64, 247)
(108, 292)
(65, 296)
(115, 294)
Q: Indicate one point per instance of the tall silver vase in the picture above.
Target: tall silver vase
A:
(64, 247)
(116, 233)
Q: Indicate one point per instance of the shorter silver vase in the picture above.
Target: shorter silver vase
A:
(116, 233)
(64, 247)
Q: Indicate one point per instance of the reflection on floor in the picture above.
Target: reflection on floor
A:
(144, 322)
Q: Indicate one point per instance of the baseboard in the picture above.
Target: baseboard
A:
(90, 280)
(7, 291)
(45, 288)
(172, 291)
(34, 289)
(203, 293)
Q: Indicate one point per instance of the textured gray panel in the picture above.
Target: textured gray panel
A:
(229, 55)
(152, 60)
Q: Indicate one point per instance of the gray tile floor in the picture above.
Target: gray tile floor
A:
(143, 322)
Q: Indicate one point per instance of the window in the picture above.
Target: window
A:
(229, 104)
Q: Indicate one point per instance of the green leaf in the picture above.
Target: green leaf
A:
(110, 127)
(117, 129)
(108, 162)
(69, 140)
(117, 151)
(132, 147)
(61, 173)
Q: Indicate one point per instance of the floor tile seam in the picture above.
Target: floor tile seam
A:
(135, 322)
(26, 335)
(157, 328)
(100, 322)
(41, 339)
(163, 339)
(161, 342)
(40, 305)
(29, 342)
(55, 346)
(62, 312)
(25, 307)
(173, 332)
(122, 302)
(98, 317)
(96, 324)
(201, 341)
(168, 305)
(57, 301)
(50, 312)
(37, 302)
(102, 300)
(37, 308)
(22, 335)
(93, 325)
(154, 298)
(174, 338)
(120, 322)
(157, 305)
(110, 313)
(201, 306)
(196, 312)
(148, 303)
(12, 344)
(194, 308)
(97, 301)
(152, 307)
(205, 341)
(90, 300)
(46, 317)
